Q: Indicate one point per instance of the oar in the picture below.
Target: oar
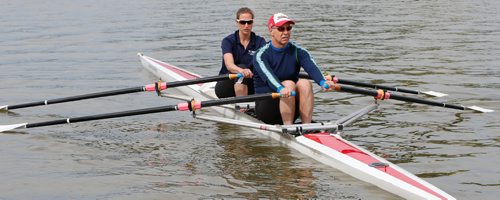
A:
(151, 87)
(383, 95)
(376, 86)
(191, 106)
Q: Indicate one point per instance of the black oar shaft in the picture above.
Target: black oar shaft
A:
(397, 97)
(427, 102)
(181, 106)
(122, 91)
(368, 85)
(375, 86)
(104, 116)
(78, 97)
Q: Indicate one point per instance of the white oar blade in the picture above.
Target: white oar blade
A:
(479, 109)
(4, 128)
(3, 107)
(434, 94)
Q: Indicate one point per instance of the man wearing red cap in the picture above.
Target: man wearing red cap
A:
(277, 66)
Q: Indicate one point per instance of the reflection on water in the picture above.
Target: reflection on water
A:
(258, 164)
(438, 174)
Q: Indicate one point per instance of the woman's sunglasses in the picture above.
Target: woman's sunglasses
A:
(243, 22)
(282, 28)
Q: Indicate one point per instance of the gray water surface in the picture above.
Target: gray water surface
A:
(58, 48)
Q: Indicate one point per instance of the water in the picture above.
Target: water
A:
(62, 48)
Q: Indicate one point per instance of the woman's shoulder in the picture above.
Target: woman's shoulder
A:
(231, 37)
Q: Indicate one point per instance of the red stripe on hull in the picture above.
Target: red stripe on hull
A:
(178, 71)
(353, 152)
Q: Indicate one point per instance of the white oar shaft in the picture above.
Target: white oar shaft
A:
(274, 128)
(356, 115)
(248, 124)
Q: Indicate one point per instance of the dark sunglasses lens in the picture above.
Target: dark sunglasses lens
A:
(246, 22)
(282, 28)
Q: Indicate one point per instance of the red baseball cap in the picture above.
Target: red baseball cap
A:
(278, 19)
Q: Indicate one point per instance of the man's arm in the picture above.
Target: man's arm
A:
(307, 62)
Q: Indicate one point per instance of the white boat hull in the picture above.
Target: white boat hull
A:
(329, 149)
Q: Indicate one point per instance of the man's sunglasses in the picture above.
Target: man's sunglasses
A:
(282, 28)
(243, 22)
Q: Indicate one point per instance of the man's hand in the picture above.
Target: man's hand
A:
(286, 92)
(329, 86)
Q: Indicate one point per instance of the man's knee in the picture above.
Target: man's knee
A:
(304, 84)
(289, 84)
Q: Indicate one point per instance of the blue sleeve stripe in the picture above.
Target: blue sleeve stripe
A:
(265, 69)
(280, 88)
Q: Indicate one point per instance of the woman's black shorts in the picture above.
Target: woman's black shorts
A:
(225, 88)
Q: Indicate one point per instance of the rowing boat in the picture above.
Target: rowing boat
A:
(327, 147)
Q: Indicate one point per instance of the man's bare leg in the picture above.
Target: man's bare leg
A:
(306, 100)
(287, 105)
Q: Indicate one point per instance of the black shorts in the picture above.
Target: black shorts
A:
(268, 111)
(225, 88)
